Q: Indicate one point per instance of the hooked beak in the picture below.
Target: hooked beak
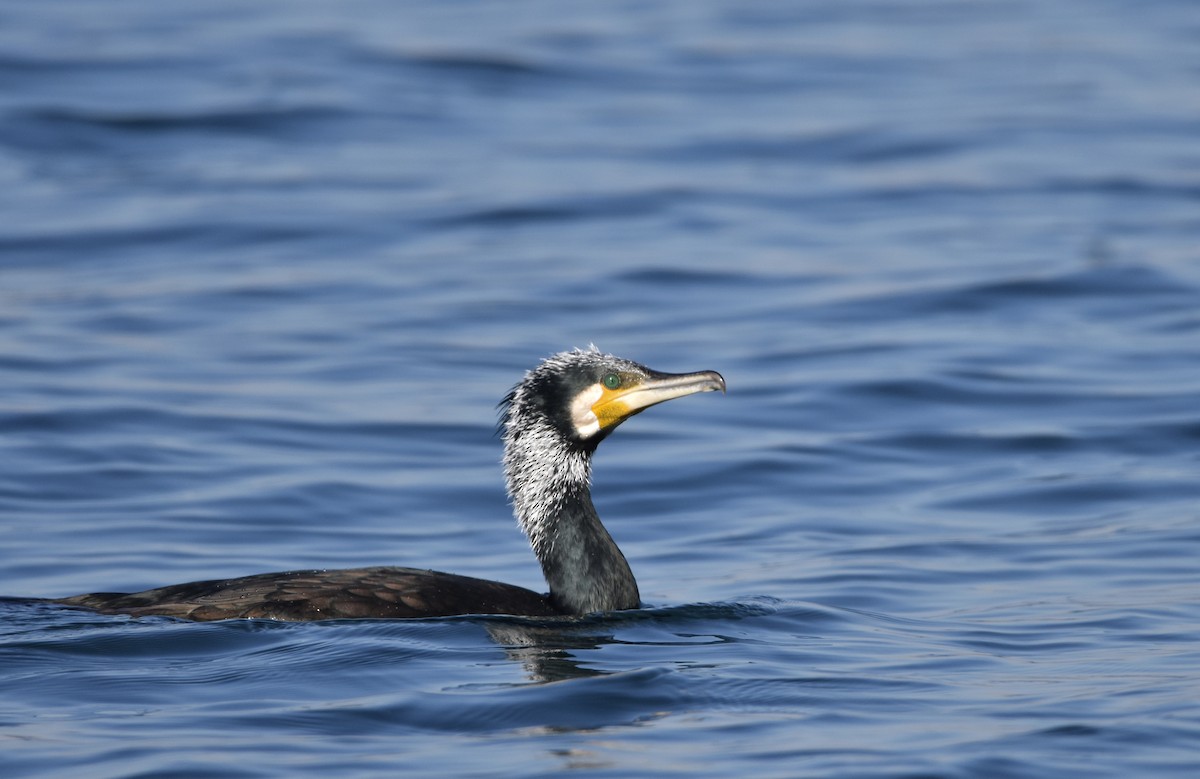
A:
(615, 406)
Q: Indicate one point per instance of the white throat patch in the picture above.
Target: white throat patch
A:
(582, 416)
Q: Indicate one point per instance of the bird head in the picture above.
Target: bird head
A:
(585, 395)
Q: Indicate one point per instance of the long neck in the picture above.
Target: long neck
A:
(548, 481)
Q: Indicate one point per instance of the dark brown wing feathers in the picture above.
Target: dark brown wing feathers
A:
(355, 593)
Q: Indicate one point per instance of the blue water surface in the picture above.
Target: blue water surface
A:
(266, 269)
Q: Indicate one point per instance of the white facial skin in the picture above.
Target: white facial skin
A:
(582, 416)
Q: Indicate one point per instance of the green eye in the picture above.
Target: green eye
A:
(612, 381)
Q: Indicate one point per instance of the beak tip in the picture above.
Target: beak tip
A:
(719, 381)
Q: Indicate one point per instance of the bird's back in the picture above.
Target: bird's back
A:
(353, 593)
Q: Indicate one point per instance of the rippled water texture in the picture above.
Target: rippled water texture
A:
(266, 268)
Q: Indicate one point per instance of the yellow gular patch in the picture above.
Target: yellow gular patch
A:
(609, 409)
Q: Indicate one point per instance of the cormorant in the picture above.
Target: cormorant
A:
(551, 423)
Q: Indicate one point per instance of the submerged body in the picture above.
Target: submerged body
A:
(351, 593)
(552, 422)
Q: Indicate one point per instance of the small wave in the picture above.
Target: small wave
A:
(257, 119)
(460, 62)
(1126, 285)
(856, 145)
(602, 206)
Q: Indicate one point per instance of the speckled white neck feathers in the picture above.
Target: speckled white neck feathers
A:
(547, 469)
